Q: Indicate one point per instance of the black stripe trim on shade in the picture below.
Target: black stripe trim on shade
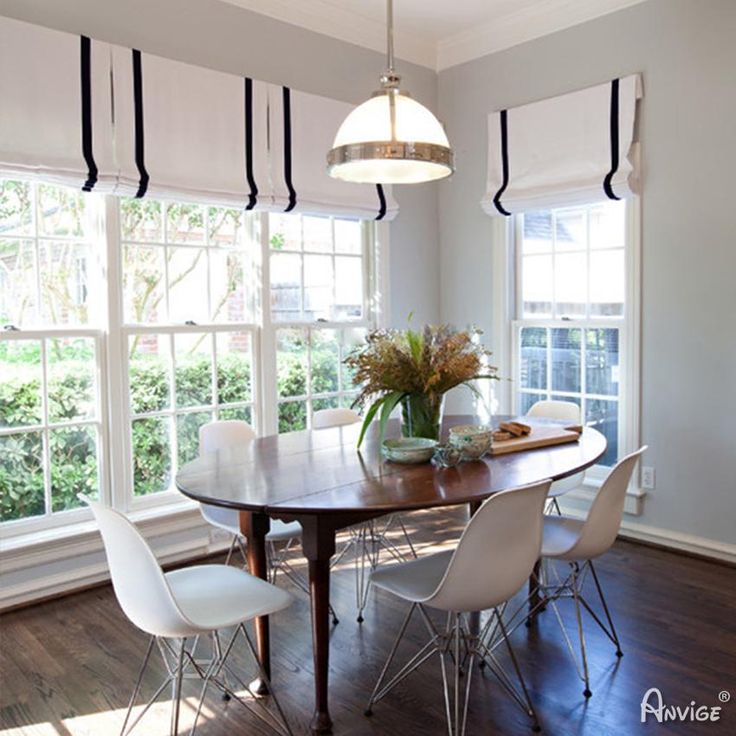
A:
(607, 188)
(504, 163)
(253, 196)
(286, 93)
(85, 69)
(381, 202)
(139, 127)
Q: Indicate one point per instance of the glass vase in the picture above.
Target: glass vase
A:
(421, 415)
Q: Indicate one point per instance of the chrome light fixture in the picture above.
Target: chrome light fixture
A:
(391, 138)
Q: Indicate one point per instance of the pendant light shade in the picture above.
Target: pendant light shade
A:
(391, 138)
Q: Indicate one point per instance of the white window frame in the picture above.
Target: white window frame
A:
(629, 325)
(115, 469)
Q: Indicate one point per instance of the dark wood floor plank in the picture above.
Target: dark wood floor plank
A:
(68, 666)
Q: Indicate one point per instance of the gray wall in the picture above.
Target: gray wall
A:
(687, 54)
(225, 37)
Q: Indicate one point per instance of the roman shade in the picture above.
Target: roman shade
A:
(100, 117)
(302, 128)
(55, 107)
(572, 149)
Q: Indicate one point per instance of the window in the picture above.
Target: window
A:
(51, 429)
(571, 337)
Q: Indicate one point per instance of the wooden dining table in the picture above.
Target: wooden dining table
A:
(320, 479)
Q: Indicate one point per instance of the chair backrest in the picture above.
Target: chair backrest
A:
(496, 552)
(223, 434)
(326, 418)
(604, 518)
(567, 411)
(137, 578)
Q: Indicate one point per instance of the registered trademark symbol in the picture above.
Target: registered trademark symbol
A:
(724, 696)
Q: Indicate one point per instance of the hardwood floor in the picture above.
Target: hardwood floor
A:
(68, 666)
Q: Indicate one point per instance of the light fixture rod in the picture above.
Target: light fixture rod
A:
(390, 34)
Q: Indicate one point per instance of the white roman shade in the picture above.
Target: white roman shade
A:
(302, 128)
(55, 107)
(190, 133)
(563, 151)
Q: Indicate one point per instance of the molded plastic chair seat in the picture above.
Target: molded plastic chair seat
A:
(229, 520)
(217, 596)
(413, 581)
(560, 535)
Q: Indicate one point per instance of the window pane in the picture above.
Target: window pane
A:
(226, 227)
(602, 362)
(72, 367)
(347, 401)
(187, 434)
(187, 285)
(16, 207)
(607, 283)
(603, 416)
(351, 339)
(537, 233)
(317, 234)
(151, 455)
(348, 288)
(291, 363)
(348, 237)
(20, 387)
(234, 367)
(21, 476)
(227, 287)
(570, 230)
(325, 358)
(143, 287)
(536, 286)
(286, 278)
(185, 223)
(64, 268)
(533, 357)
(193, 377)
(608, 225)
(148, 372)
(318, 279)
(73, 453)
(566, 359)
(330, 403)
(526, 401)
(285, 232)
(60, 211)
(571, 282)
(241, 413)
(140, 219)
(292, 416)
(18, 286)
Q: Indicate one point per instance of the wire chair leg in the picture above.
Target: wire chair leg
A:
(579, 616)
(175, 706)
(230, 551)
(598, 587)
(137, 687)
(407, 537)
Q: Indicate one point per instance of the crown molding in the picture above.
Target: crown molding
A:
(542, 19)
(330, 18)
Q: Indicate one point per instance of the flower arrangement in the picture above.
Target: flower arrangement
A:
(416, 368)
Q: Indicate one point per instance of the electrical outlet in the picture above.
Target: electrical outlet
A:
(647, 478)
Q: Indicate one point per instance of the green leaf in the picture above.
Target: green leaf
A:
(369, 418)
(389, 403)
(416, 344)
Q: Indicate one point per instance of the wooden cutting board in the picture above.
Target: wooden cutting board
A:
(540, 436)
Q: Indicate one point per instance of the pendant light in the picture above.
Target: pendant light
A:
(391, 138)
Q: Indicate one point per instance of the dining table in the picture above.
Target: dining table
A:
(322, 480)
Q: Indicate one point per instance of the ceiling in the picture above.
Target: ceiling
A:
(436, 33)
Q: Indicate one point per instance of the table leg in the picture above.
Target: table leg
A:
(255, 527)
(474, 617)
(318, 543)
(534, 597)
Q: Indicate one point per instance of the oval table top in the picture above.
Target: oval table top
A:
(322, 472)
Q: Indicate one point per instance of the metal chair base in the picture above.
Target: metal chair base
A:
(457, 649)
(181, 664)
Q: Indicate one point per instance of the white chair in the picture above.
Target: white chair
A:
(566, 411)
(493, 558)
(369, 539)
(181, 606)
(577, 542)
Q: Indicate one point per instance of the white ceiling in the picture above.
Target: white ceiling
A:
(436, 33)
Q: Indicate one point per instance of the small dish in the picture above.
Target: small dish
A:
(409, 450)
(447, 456)
(473, 439)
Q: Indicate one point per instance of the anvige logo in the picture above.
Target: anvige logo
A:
(663, 713)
